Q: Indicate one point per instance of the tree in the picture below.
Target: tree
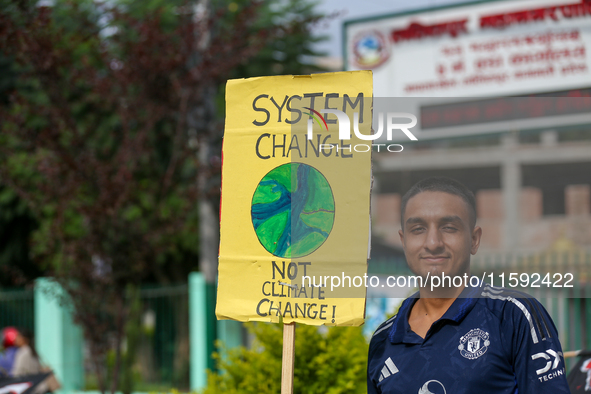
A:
(98, 139)
(16, 220)
(328, 361)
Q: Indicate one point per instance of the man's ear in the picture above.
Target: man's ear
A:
(401, 234)
(476, 235)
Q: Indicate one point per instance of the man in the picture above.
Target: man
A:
(464, 339)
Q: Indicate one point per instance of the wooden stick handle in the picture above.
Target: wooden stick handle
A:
(572, 353)
(287, 364)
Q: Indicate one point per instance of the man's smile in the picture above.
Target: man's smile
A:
(434, 259)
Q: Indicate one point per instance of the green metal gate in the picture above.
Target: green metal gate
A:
(17, 308)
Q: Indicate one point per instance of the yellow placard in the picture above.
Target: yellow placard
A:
(296, 181)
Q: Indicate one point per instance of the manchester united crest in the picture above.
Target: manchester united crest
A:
(474, 344)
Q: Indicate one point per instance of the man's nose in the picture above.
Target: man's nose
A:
(434, 241)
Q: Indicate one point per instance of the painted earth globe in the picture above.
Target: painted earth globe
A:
(293, 210)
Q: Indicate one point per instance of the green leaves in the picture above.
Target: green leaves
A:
(329, 360)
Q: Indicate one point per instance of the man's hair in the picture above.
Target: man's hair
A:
(441, 184)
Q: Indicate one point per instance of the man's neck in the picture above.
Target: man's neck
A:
(430, 307)
(435, 307)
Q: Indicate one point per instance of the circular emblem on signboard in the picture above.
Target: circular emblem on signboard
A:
(474, 344)
(292, 210)
(370, 49)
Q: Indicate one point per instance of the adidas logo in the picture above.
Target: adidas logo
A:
(389, 369)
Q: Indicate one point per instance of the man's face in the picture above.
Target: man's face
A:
(437, 236)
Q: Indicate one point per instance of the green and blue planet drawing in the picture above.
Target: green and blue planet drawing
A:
(293, 210)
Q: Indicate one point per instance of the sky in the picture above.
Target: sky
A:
(354, 9)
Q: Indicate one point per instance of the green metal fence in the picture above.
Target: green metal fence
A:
(162, 347)
(17, 308)
(162, 361)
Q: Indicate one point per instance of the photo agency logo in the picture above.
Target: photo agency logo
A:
(392, 120)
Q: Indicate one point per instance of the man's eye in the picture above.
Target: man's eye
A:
(417, 230)
(450, 228)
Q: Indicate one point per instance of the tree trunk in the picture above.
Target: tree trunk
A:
(95, 359)
(120, 324)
